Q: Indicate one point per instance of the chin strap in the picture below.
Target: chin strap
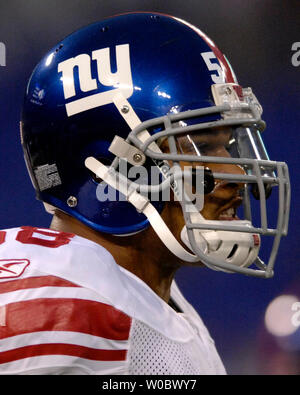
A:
(224, 246)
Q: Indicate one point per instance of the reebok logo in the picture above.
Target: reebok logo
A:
(120, 81)
(10, 268)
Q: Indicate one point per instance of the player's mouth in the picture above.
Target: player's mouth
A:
(228, 212)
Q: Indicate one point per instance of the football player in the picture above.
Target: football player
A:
(111, 103)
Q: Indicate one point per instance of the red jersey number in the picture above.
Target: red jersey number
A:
(43, 237)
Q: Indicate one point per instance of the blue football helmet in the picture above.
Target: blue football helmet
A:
(120, 90)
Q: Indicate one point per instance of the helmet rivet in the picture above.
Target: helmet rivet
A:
(125, 109)
(72, 201)
(137, 157)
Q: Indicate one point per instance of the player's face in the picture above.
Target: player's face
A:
(222, 202)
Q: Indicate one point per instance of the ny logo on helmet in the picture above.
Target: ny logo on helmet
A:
(120, 81)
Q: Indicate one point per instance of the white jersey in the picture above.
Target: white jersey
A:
(66, 307)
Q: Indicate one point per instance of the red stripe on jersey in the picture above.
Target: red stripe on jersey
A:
(34, 282)
(61, 314)
(62, 349)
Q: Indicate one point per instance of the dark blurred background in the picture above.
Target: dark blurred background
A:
(252, 321)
